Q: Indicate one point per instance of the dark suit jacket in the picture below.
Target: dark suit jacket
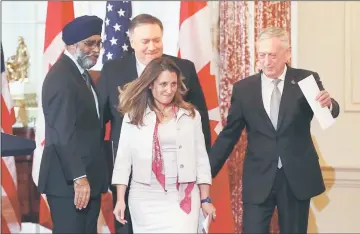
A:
(119, 72)
(292, 141)
(73, 133)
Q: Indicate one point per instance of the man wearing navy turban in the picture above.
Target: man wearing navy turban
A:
(73, 170)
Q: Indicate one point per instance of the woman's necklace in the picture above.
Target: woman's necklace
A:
(165, 114)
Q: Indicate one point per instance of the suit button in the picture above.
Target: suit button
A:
(180, 146)
(181, 166)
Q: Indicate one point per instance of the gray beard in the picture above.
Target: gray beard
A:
(83, 59)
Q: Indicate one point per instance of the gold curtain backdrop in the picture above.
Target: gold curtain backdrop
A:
(234, 65)
(239, 29)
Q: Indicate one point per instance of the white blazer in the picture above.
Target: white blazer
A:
(136, 144)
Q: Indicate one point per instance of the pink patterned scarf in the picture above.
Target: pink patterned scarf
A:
(158, 168)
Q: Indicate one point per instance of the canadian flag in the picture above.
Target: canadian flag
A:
(197, 45)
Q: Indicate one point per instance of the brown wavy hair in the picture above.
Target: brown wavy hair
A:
(135, 96)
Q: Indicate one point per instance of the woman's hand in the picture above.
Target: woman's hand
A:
(209, 209)
(119, 211)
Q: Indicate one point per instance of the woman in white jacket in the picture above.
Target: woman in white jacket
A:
(162, 143)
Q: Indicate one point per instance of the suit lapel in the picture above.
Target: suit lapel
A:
(80, 80)
(97, 98)
(73, 68)
(132, 71)
(287, 99)
(258, 101)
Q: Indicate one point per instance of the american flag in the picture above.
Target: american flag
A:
(116, 44)
(116, 37)
(10, 206)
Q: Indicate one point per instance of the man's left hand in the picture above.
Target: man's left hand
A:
(324, 98)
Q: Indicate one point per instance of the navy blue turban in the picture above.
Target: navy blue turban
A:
(81, 28)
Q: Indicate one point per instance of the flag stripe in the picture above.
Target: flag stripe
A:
(53, 51)
(6, 95)
(4, 227)
(208, 85)
(6, 116)
(107, 210)
(58, 14)
(198, 26)
(188, 10)
(10, 211)
(9, 163)
(44, 213)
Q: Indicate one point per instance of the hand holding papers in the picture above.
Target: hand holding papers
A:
(207, 209)
(204, 223)
(310, 90)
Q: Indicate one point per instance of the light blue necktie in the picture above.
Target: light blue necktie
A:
(274, 108)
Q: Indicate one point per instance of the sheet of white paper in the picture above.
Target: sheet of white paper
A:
(310, 90)
(203, 223)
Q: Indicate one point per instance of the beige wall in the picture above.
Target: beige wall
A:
(328, 40)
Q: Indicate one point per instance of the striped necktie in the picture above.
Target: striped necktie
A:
(87, 78)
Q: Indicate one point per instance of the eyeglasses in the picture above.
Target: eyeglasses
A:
(93, 43)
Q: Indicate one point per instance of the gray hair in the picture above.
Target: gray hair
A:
(279, 33)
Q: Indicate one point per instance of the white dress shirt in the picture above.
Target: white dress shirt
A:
(267, 87)
(139, 67)
(67, 53)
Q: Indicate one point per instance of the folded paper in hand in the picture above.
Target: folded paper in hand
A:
(310, 90)
(203, 223)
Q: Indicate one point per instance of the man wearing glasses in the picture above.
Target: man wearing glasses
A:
(73, 170)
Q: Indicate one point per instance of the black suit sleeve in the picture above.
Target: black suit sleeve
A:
(335, 105)
(196, 97)
(61, 118)
(229, 136)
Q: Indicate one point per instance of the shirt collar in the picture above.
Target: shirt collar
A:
(140, 66)
(181, 112)
(268, 80)
(67, 53)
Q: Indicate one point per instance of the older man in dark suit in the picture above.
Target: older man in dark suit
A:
(281, 167)
(145, 32)
(73, 170)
